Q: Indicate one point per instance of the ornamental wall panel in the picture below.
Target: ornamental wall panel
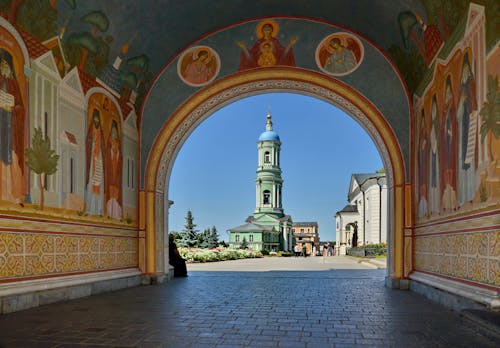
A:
(35, 250)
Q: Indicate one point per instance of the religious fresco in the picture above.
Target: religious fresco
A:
(267, 50)
(85, 129)
(429, 32)
(198, 66)
(339, 54)
(13, 107)
(456, 159)
(457, 141)
(104, 158)
(81, 71)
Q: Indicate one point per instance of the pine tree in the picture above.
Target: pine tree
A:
(41, 159)
(214, 238)
(244, 244)
(204, 239)
(190, 234)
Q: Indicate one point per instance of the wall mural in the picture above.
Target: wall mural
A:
(104, 158)
(80, 102)
(457, 161)
(339, 54)
(79, 71)
(198, 66)
(457, 145)
(13, 107)
(267, 50)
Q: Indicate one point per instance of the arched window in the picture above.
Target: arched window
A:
(267, 197)
(267, 157)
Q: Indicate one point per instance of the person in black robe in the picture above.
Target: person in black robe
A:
(175, 259)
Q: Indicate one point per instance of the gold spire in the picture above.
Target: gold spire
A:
(269, 123)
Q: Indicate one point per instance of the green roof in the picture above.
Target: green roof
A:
(250, 227)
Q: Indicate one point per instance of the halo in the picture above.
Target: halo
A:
(270, 22)
(330, 38)
(197, 51)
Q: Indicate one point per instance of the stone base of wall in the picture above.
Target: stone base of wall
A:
(399, 284)
(454, 295)
(23, 295)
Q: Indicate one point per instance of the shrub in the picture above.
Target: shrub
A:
(217, 254)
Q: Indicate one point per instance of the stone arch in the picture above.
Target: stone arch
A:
(153, 199)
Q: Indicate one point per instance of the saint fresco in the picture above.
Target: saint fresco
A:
(198, 66)
(104, 159)
(267, 50)
(12, 123)
(339, 54)
(454, 160)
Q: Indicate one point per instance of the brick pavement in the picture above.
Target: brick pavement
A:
(294, 308)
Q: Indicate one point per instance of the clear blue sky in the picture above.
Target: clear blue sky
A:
(214, 172)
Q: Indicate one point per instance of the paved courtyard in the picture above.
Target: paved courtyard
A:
(271, 302)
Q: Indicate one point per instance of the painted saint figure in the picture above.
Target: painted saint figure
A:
(467, 121)
(341, 59)
(114, 160)
(434, 184)
(267, 57)
(267, 50)
(422, 168)
(449, 151)
(199, 70)
(11, 132)
(95, 166)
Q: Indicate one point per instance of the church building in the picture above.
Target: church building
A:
(268, 228)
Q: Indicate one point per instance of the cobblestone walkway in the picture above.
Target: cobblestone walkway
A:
(326, 308)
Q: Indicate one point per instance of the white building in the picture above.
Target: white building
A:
(367, 209)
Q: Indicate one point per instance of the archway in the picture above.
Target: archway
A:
(154, 197)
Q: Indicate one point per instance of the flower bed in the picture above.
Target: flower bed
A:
(218, 254)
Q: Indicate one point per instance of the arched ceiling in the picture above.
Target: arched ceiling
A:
(162, 29)
(146, 43)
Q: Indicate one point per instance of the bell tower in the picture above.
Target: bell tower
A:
(269, 181)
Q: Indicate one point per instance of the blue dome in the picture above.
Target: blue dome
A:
(269, 135)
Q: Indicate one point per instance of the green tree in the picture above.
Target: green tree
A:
(88, 50)
(491, 110)
(490, 114)
(204, 239)
(38, 18)
(214, 238)
(177, 235)
(190, 233)
(244, 243)
(79, 46)
(41, 159)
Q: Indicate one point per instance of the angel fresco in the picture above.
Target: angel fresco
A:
(267, 50)
(339, 54)
(198, 66)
